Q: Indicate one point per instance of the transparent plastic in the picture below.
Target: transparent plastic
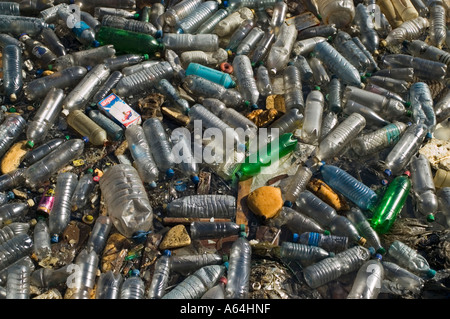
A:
(359, 219)
(188, 264)
(18, 282)
(246, 83)
(210, 23)
(306, 254)
(9, 231)
(41, 151)
(295, 221)
(41, 238)
(402, 276)
(409, 258)
(99, 235)
(85, 274)
(133, 288)
(22, 24)
(312, 123)
(179, 11)
(203, 206)
(14, 249)
(12, 71)
(89, 57)
(408, 30)
(249, 43)
(194, 20)
(423, 185)
(212, 230)
(107, 86)
(12, 211)
(10, 130)
(211, 59)
(238, 273)
(297, 184)
(108, 285)
(293, 93)
(422, 106)
(368, 34)
(160, 277)
(281, 49)
(129, 24)
(367, 284)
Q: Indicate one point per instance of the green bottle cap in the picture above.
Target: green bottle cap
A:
(146, 57)
(30, 144)
(326, 232)
(317, 88)
(136, 15)
(431, 273)
(90, 170)
(242, 227)
(430, 218)
(381, 251)
(408, 104)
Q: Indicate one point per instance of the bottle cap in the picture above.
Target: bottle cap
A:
(226, 264)
(407, 104)
(378, 256)
(372, 251)
(95, 44)
(167, 252)
(90, 170)
(381, 251)
(225, 258)
(136, 15)
(242, 234)
(146, 57)
(430, 218)
(295, 237)
(317, 88)
(55, 238)
(85, 139)
(288, 203)
(232, 84)
(152, 184)
(10, 195)
(135, 273)
(362, 241)
(388, 172)
(407, 173)
(96, 178)
(158, 34)
(195, 179)
(254, 107)
(170, 173)
(331, 254)
(242, 227)
(30, 144)
(429, 135)
(431, 273)
(223, 280)
(326, 232)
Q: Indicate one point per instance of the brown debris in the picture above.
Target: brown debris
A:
(328, 195)
(263, 118)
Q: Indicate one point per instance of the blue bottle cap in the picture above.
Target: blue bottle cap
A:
(288, 203)
(167, 252)
(170, 173)
(89, 68)
(295, 237)
(378, 256)
(51, 26)
(158, 34)
(152, 184)
(331, 254)
(384, 182)
(388, 172)
(431, 273)
(226, 264)
(85, 139)
(135, 273)
(225, 3)
(95, 44)
(179, 31)
(55, 238)
(429, 135)
(372, 251)
(10, 195)
(242, 228)
(195, 179)
(180, 186)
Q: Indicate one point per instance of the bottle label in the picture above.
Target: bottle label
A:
(313, 239)
(392, 134)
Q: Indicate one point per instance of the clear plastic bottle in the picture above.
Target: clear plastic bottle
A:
(228, 25)
(189, 42)
(143, 81)
(421, 49)
(45, 117)
(10, 8)
(402, 276)
(10, 130)
(80, 29)
(295, 221)
(423, 186)
(90, 20)
(13, 211)
(6, 39)
(246, 83)
(349, 50)
(320, 73)
(312, 206)
(202, 206)
(368, 34)
(160, 145)
(332, 268)
(83, 92)
(342, 226)
(297, 184)
(444, 205)
(12, 71)
(397, 86)
(371, 87)
(89, 5)
(405, 148)
(339, 13)
(195, 19)
(167, 89)
(306, 73)
(188, 264)
(43, 55)
(241, 32)
(281, 49)
(210, 23)
(410, 259)
(126, 200)
(357, 217)
(22, 24)
(130, 25)
(334, 96)
(262, 49)
(217, 291)
(356, 191)
(87, 128)
(263, 81)
(442, 108)
(367, 284)
(101, 12)
(108, 285)
(99, 235)
(85, 274)
(41, 239)
(249, 43)
(312, 123)
(179, 11)
(210, 58)
(38, 88)
(306, 46)
(107, 87)
(238, 273)
(22, 261)
(339, 137)
(405, 74)
(11, 230)
(195, 285)
(329, 122)
(306, 254)
(12, 179)
(86, 58)
(408, 30)
(422, 106)
(41, 151)
(113, 130)
(337, 64)
(212, 230)
(14, 249)
(18, 282)
(61, 212)
(50, 278)
(118, 63)
(181, 140)
(160, 277)
(288, 122)
(373, 65)
(293, 93)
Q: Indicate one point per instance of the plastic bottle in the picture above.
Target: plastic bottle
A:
(339, 137)
(128, 41)
(306, 73)
(107, 86)
(281, 49)
(293, 94)
(194, 20)
(12, 179)
(202, 206)
(408, 30)
(373, 65)
(38, 50)
(368, 34)
(188, 264)
(60, 215)
(142, 154)
(160, 277)
(211, 74)
(38, 88)
(201, 87)
(86, 58)
(50, 15)
(90, 20)
(405, 9)
(181, 140)
(126, 200)
(22, 261)
(6, 39)
(13, 211)
(130, 25)
(238, 273)
(22, 24)
(14, 249)
(211, 59)
(251, 40)
(306, 254)
(144, 80)
(329, 122)
(209, 25)
(12, 71)
(99, 235)
(80, 29)
(367, 284)
(108, 285)
(177, 12)
(49, 37)
(357, 217)
(410, 259)
(10, 130)
(246, 83)
(118, 63)
(160, 146)
(312, 124)
(332, 268)
(187, 42)
(295, 221)
(267, 155)
(391, 203)
(312, 206)
(405, 74)
(239, 34)
(41, 151)
(339, 13)
(263, 81)
(84, 276)
(18, 282)
(356, 191)
(297, 184)
(424, 50)
(101, 11)
(306, 46)
(84, 188)
(423, 186)
(262, 49)
(41, 239)
(402, 276)
(87, 128)
(320, 73)
(405, 148)
(10, 8)
(212, 230)
(442, 108)
(83, 92)
(334, 96)
(228, 25)
(9, 231)
(195, 285)
(350, 51)
(422, 106)
(45, 117)
(217, 291)
(288, 122)
(337, 64)
(384, 92)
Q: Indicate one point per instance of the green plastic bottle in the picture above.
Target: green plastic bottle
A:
(391, 203)
(128, 41)
(276, 149)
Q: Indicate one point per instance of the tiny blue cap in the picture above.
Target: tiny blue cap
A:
(429, 135)
(85, 139)
(95, 44)
(295, 237)
(10, 195)
(372, 251)
(226, 264)
(51, 26)
(288, 203)
(152, 184)
(254, 107)
(431, 273)
(388, 172)
(135, 272)
(170, 172)
(384, 182)
(379, 256)
(89, 68)
(158, 34)
(39, 71)
(225, 3)
(167, 252)
(179, 31)
(195, 179)
(55, 238)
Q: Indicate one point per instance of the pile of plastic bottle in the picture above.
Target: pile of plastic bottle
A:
(85, 169)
